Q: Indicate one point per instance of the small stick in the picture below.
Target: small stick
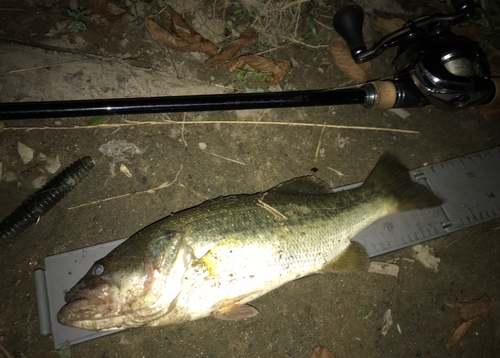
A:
(304, 44)
(322, 24)
(182, 131)
(293, 3)
(229, 159)
(5, 351)
(319, 143)
(277, 215)
(133, 123)
(272, 49)
(149, 191)
(44, 66)
(336, 171)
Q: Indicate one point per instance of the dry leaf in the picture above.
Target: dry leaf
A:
(101, 6)
(426, 257)
(342, 56)
(460, 332)
(384, 268)
(52, 164)
(277, 68)
(181, 37)
(228, 52)
(125, 170)
(469, 313)
(387, 26)
(473, 309)
(400, 112)
(321, 352)
(387, 321)
(25, 152)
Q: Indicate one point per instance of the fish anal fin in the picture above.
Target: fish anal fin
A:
(235, 312)
(306, 185)
(353, 259)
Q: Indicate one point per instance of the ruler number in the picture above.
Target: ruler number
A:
(470, 175)
(389, 226)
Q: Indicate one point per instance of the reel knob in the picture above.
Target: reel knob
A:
(348, 22)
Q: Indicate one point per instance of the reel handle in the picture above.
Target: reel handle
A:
(348, 22)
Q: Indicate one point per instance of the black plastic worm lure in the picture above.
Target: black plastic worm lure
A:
(46, 198)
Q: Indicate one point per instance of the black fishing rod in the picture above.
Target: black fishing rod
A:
(432, 66)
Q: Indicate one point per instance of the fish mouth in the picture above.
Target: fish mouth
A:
(83, 310)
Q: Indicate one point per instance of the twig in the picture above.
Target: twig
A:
(229, 159)
(322, 24)
(44, 66)
(293, 3)
(134, 63)
(336, 171)
(451, 243)
(5, 351)
(304, 44)
(193, 191)
(167, 122)
(273, 49)
(182, 131)
(149, 191)
(297, 22)
(277, 215)
(61, 49)
(319, 143)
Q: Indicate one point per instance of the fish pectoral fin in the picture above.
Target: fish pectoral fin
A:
(235, 312)
(353, 259)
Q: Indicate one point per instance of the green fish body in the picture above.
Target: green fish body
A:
(215, 258)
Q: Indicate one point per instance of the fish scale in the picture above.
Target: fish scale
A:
(469, 187)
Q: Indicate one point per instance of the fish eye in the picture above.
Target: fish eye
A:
(98, 270)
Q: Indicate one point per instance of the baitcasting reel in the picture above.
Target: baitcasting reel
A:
(449, 71)
(433, 66)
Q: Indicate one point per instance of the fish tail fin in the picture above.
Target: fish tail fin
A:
(391, 179)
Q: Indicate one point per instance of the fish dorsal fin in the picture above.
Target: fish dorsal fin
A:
(306, 185)
(353, 259)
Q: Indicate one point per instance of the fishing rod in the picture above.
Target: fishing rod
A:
(432, 66)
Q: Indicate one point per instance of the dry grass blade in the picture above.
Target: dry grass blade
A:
(101, 6)
(247, 38)
(182, 37)
(293, 3)
(277, 68)
(344, 61)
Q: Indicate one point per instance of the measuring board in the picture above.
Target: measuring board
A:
(469, 187)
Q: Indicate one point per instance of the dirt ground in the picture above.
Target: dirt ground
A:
(207, 160)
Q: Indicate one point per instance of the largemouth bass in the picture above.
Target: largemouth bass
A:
(215, 258)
